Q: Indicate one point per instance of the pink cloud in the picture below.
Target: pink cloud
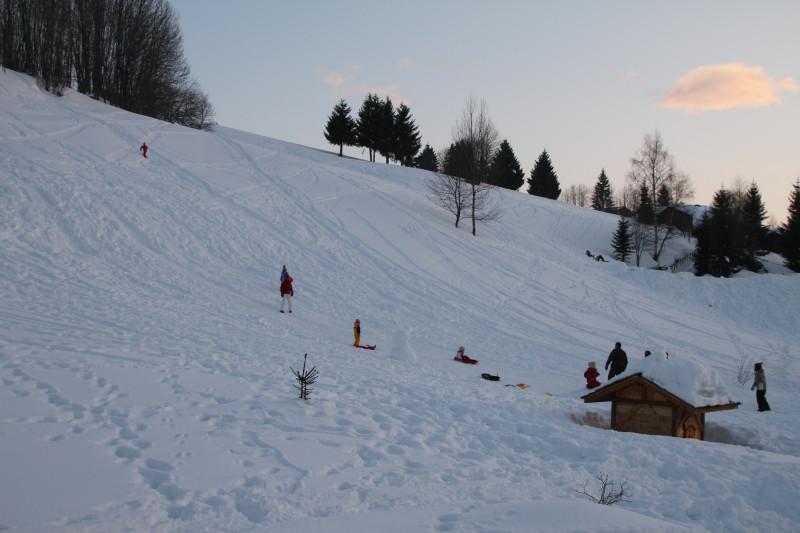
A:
(715, 87)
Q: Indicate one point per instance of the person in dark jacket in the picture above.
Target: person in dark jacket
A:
(287, 292)
(760, 386)
(283, 274)
(618, 360)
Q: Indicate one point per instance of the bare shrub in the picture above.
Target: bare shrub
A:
(611, 492)
(745, 375)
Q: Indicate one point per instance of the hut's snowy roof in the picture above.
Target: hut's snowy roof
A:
(691, 381)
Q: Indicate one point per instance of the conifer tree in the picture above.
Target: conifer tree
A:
(456, 161)
(341, 128)
(754, 233)
(406, 135)
(387, 140)
(602, 196)
(663, 199)
(719, 239)
(645, 213)
(369, 125)
(544, 181)
(702, 249)
(791, 234)
(427, 159)
(621, 241)
(505, 170)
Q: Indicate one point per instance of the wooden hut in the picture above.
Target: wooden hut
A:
(639, 405)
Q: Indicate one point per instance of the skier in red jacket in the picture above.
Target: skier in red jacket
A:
(143, 149)
(287, 292)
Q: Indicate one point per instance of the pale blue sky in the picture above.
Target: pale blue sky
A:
(584, 79)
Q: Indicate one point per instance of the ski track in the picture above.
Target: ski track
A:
(140, 304)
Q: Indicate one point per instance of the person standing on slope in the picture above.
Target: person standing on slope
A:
(760, 386)
(618, 360)
(143, 149)
(287, 292)
(357, 332)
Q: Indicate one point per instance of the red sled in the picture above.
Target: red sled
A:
(466, 360)
(366, 347)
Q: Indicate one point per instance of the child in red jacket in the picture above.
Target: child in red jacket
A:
(591, 376)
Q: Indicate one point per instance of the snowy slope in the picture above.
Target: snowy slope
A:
(144, 367)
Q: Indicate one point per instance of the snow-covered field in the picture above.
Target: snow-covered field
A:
(145, 380)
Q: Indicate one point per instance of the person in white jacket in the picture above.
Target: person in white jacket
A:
(760, 386)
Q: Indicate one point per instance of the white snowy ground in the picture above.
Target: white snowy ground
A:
(144, 367)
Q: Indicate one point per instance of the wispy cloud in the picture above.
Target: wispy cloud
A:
(404, 63)
(627, 76)
(715, 87)
(342, 86)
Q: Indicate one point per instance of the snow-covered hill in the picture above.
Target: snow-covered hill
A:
(145, 379)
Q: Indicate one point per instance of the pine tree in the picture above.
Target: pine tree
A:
(722, 245)
(663, 199)
(369, 125)
(602, 196)
(702, 249)
(544, 181)
(406, 135)
(427, 159)
(621, 241)
(791, 234)
(456, 161)
(341, 128)
(645, 213)
(754, 233)
(506, 171)
(387, 141)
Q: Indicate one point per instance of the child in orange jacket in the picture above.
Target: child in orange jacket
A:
(357, 332)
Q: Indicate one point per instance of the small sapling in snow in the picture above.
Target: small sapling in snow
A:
(306, 378)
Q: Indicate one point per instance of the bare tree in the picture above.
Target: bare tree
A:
(738, 191)
(449, 192)
(654, 167)
(579, 195)
(628, 197)
(641, 239)
(680, 188)
(475, 136)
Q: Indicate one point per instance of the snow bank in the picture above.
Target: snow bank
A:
(693, 382)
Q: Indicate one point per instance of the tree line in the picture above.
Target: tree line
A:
(128, 53)
(730, 238)
(473, 155)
